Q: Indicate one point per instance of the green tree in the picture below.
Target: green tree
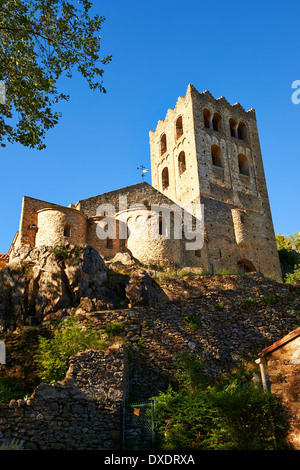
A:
(41, 41)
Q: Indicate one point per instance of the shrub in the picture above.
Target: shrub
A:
(60, 253)
(70, 338)
(293, 277)
(192, 321)
(230, 414)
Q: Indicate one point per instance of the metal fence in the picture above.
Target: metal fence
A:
(138, 430)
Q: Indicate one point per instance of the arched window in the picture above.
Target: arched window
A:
(217, 122)
(67, 230)
(181, 163)
(242, 131)
(179, 128)
(243, 165)
(165, 178)
(207, 118)
(163, 144)
(232, 124)
(216, 156)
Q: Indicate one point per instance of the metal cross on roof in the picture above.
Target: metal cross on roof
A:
(144, 170)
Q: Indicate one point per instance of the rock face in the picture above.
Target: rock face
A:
(139, 290)
(39, 281)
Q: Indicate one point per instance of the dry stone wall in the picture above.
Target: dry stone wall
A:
(80, 413)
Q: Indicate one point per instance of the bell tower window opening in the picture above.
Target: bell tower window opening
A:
(181, 163)
(179, 128)
(165, 178)
(163, 144)
(232, 124)
(243, 165)
(217, 122)
(242, 131)
(207, 118)
(216, 156)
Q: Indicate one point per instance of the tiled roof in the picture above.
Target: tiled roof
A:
(4, 257)
(293, 334)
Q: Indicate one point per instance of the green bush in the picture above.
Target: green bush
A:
(230, 413)
(60, 253)
(70, 338)
(192, 321)
(293, 277)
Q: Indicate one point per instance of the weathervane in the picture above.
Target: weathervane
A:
(144, 170)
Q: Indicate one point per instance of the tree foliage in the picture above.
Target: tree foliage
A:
(41, 41)
(289, 255)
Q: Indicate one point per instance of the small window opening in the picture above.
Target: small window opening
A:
(67, 230)
(181, 163)
(216, 156)
(243, 165)
(163, 144)
(242, 131)
(179, 127)
(217, 122)
(109, 243)
(232, 124)
(207, 118)
(198, 253)
(165, 178)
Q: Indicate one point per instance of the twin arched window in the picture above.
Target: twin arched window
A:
(214, 122)
(178, 131)
(238, 130)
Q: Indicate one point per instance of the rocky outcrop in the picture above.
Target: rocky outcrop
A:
(43, 280)
(139, 290)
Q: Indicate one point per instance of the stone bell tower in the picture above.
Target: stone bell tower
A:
(207, 151)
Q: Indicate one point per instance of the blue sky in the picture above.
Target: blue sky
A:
(245, 51)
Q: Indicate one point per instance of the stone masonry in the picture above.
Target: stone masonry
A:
(80, 413)
(205, 152)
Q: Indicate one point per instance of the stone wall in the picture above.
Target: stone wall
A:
(283, 369)
(219, 319)
(57, 226)
(80, 413)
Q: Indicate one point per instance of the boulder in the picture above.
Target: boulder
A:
(40, 281)
(139, 290)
